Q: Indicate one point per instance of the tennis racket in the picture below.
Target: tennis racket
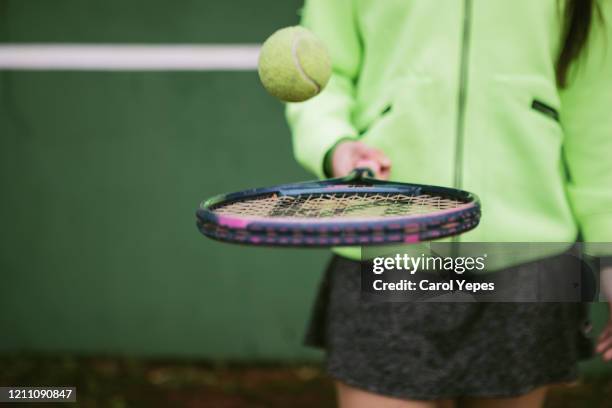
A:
(353, 210)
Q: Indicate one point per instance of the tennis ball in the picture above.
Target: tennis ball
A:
(294, 64)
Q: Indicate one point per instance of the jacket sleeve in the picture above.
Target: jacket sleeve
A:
(586, 116)
(319, 123)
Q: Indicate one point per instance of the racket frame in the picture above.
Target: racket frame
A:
(282, 231)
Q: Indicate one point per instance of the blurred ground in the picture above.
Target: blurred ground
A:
(119, 383)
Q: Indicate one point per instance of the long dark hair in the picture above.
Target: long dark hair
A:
(576, 27)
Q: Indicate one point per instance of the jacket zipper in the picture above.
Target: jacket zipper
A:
(461, 100)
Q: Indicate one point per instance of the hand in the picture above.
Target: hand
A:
(604, 342)
(350, 155)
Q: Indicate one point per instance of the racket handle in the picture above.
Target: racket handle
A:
(361, 173)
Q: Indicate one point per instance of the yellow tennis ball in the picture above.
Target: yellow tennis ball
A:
(294, 64)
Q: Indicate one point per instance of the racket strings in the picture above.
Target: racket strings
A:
(345, 205)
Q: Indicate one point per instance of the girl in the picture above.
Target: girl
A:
(508, 99)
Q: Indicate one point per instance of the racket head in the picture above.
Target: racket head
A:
(355, 210)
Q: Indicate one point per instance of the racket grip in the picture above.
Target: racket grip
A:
(361, 173)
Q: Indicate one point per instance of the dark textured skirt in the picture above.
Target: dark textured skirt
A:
(426, 351)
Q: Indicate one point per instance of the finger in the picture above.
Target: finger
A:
(373, 153)
(604, 344)
(361, 148)
(385, 167)
(383, 161)
(343, 167)
(344, 159)
(366, 151)
(384, 173)
(607, 331)
(385, 164)
(381, 157)
(608, 355)
(603, 336)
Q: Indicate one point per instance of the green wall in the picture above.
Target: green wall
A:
(144, 21)
(100, 175)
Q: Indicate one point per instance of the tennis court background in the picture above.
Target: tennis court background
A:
(101, 173)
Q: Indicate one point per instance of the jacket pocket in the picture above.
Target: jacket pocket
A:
(545, 109)
(531, 101)
(524, 144)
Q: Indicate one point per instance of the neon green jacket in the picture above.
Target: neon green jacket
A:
(465, 95)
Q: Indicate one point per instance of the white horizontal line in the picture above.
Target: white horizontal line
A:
(130, 57)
